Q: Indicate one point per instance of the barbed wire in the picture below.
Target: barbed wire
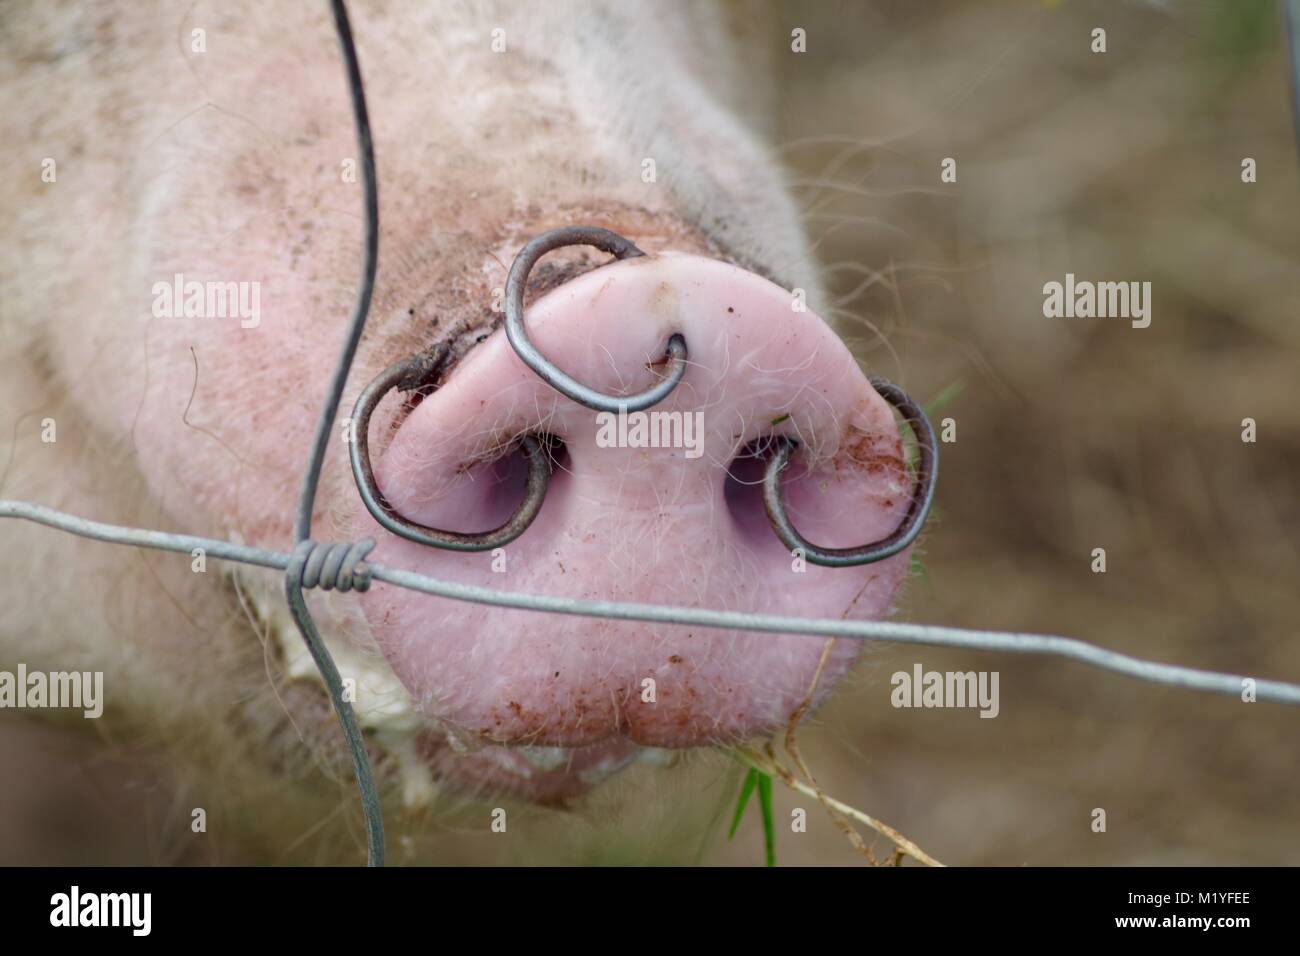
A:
(342, 565)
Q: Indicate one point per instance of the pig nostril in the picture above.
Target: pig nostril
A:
(927, 470)
(620, 248)
(742, 491)
(538, 451)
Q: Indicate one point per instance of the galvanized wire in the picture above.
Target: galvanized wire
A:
(1069, 648)
(294, 569)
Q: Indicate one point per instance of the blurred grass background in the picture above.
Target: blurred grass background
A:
(1072, 433)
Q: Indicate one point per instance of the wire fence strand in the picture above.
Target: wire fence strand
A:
(1068, 648)
(293, 578)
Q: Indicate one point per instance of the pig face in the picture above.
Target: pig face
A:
(180, 290)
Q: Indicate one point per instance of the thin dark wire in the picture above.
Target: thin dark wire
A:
(293, 582)
(325, 423)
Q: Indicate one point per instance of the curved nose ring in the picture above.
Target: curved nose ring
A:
(922, 496)
(405, 374)
(533, 447)
(618, 247)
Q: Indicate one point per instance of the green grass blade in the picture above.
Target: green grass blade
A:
(941, 401)
(751, 780)
(769, 830)
(932, 409)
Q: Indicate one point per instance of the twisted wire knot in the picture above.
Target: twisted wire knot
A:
(334, 565)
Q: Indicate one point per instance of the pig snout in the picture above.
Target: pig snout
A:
(658, 506)
(180, 296)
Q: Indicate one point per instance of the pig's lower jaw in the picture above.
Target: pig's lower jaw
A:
(424, 754)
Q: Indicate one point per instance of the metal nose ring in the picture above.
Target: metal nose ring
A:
(533, 447)
(620, 248)
(922, 496)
